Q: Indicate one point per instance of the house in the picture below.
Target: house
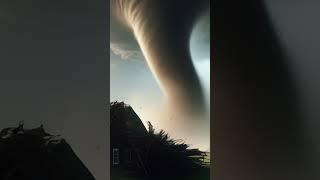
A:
(138, 152)
(128, 140)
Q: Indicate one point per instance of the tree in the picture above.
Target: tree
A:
(167, 156)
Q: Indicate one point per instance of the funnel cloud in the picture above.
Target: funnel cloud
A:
(161, 30)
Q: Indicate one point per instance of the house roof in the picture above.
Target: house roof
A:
(124, 119)
(36, 154)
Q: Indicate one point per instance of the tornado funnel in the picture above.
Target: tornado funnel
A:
(162, 29)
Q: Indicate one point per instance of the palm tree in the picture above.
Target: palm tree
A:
(167, 156)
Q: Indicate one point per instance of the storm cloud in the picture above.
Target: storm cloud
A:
(161, 31)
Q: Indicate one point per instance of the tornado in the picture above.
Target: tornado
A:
(162, 29)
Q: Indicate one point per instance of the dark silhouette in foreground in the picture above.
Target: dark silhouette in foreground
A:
(138, 153)
(33, 154)
(259, 123)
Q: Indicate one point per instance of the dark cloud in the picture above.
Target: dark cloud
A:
(124, 44)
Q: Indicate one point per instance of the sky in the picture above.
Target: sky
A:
(132, 81)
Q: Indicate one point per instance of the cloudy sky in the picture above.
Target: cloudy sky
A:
(132, 81)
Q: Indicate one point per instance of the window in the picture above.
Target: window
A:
(116, 156)
(130, 155)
